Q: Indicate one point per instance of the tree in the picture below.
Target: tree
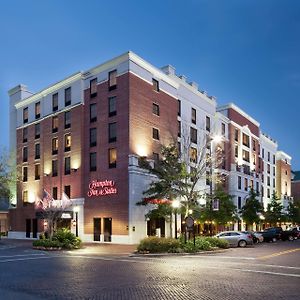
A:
(252, 208)
(8, 175)
(274, 211)
(51, 210)
(293, 211)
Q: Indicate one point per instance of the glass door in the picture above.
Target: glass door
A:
(107, 229)
(28, 227)
(97, 229)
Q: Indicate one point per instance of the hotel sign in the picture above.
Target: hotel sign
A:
(101, 188)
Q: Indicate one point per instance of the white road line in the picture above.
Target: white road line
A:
(24, 259)
(21, 255)
(229, 257)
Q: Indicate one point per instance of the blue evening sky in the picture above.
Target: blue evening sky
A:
(245, 51)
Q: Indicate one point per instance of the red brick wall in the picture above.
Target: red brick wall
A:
(296, 190)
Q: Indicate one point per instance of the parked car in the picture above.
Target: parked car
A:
(292, 233)
(256, 236)
(272, 234)
(236, 238)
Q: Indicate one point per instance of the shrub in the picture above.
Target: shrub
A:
(156, 245)
(47, 243)
(67, 239)
(217, 243)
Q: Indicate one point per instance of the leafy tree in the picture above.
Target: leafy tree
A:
(274, 211)
(293, 211)
(252, 208)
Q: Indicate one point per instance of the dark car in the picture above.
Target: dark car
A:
(272, 234)
(292, 233)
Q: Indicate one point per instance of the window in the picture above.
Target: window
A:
(193, 155)
(268, 168)
(37, 110)
(254, 159)
(54, 168)
(239, 204)
(193, 135)
(67, 119)
(55, 102)
(155, 109)
(273, 182)
(236, 135)
(54, 192)
(263, 153)
(236, 151)
(112, 106)
(112, 80)
(253, 145)
(155, 157)
(25, 197)
(37, 129)
(179, 129)
(246, 156)
(155, 84)
(112, 132)
(257, 187)
(262, 191)
(54, 124)
(93, 87)
(25, 115)
(268, 156)
(194, 116)
(223, 129)
(251, 184)
(68, 96)
(245, 184)
(93, 137)
(25, 174)
(37, 148)
(179, 108)
(208, 124)
(268, 180)
(67, 190)
(274, 170)
(93, 161)
(25, 154)
(207, 178)
(67, 165)
(112, 158)
(274, 159)
(54, 146)
(155, 133)
(25, 134)
(239, 182)
(68, 142)
(37, 172)
(245, 140)
(268, 193)
(93, 112)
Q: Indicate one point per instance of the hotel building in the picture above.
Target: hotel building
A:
(84, 136)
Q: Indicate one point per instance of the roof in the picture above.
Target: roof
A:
(296, 175)
(4, 204)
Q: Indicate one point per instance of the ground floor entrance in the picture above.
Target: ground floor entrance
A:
(107, 229)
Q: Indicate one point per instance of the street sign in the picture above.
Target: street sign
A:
(215, 204)
(189, 221)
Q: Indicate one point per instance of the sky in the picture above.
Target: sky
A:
(241, 51)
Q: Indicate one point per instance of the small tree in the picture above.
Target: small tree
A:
(274, 211)
(252, 208)
(51, 210)
(293, 211)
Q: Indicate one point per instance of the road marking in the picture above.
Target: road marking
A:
(279, 253)
(230, 257)
(24, 259)
(20, 255)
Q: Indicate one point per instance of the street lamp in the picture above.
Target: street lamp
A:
(175, 205)
(76, 210)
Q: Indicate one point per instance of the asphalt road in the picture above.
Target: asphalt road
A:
(266, 271)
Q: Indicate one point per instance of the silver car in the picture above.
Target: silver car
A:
(236, 238)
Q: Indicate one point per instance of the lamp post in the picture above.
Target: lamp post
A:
(76, 210)
(175, 205)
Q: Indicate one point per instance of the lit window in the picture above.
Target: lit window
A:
(37, 110)
(112, 132)
(193, 155)
(68, 96)
(155, 109)
(93, 87)
(112, 157)
(37, 172)
(246, 156)
(246, 140)
(54, 146)
(112, 80)
(155, 133)
(25, 197)
(55, 102)
(68, 142)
